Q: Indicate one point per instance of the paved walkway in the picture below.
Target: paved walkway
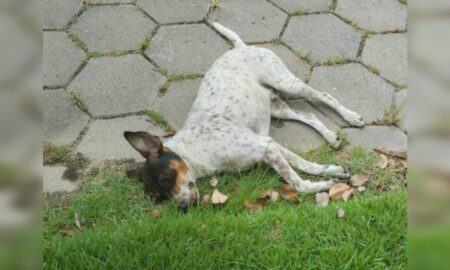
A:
(107, 61)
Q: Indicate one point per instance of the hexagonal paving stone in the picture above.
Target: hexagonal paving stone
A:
(180, 95)
(296, 135)
(118, 27)
(389, 54)
(252, 20)
(378, 15)
(400, 101)
(188, 48)
(52, 179)
(58, 13)
(304, 5)
(110, 86)
(175, 11)
(104, 139)
(373, 136)
(61, 59)
(356, 88)
(63, 120)
(324, 36)
(295, 65)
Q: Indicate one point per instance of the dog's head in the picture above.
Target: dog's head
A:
(164, 172)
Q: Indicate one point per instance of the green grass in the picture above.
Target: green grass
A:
(56, 154)
(120, 232)
(391, 115)
(335, 61)
(159, 118)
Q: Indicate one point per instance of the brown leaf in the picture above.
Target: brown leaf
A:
(264, 197)
(168, 133)
(346, 195)
(359, 179)
(151, 120)
(382, 150)
(214, 182)
(378, 186)
(77, 222)
(392, 163)
(205, 199)
(274, 195)
(156, 213)
(361, 188)
(218, 198)
(400, 155)
(382, 162)
(340, 213)
(252, 206)
(289, 193)
(66, 232)
(322, 199)
(337, 190)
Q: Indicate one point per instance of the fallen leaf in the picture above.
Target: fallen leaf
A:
(337, 190)
(214, 182)
(392, 163)
(322, 199)
(400, 155)
(404, 164)
(289, 193)
(378, 186)
(341, 213)
(77, 222)
(168, 133)
(66, 232)
(344, 156)
(361, 188)
(218, 198)
(264, 196)
(151, 120)
(359, 179)
(381, 150)
(205, 199)
(252, 206)
(382, 162)
(274, 196)
(346, 195)
(156, 213)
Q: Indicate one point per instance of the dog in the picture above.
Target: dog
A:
(227, 127)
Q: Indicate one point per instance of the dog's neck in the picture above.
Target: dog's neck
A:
(196, 168)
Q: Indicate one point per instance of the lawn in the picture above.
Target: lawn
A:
(121, 228)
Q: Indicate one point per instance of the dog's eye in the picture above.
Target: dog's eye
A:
(191, 185)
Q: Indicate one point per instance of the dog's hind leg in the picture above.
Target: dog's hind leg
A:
(274, 157)
(276, 75)
(281, 110)
(311, 167)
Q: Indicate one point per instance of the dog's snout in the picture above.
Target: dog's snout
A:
(183, 207)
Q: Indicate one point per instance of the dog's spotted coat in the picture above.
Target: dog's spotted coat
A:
(228, 125)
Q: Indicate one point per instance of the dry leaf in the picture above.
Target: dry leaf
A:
(274, 195)
(341, 213)
(344, 156)
(156, 213)
(337, 190)
(392, 163)
(205, 199)
(378, 186)
(359, 179)
(361, 188)
(264, 196)
(77, 222)
(322, 199)
(382, 162)
(214, 182)
(151, 121)
(252, 206)
(346, 195)
(66, 232)
(168, 133)
(218, 198)
(400, 155)
(404, 164)
(289, 193)
(382, 150)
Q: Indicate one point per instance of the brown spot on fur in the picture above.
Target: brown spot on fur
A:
(182, 175)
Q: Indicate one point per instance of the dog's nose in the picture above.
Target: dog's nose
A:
(183, 207)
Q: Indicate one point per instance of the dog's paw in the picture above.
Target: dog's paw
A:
(337, 171)
(333, 139)
(354, 119)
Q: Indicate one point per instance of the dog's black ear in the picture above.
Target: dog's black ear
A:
(149, 146)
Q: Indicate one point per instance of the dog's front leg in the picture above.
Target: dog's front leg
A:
(275, 159)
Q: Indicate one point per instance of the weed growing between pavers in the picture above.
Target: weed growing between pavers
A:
(338, 60)
(64, 155)
(391, 116)
(120, 230)
(304, 56)
(399, 86)
(373, 69)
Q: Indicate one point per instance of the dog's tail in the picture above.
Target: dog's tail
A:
(232, 36)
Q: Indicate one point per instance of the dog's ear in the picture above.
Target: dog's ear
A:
(149, 146)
